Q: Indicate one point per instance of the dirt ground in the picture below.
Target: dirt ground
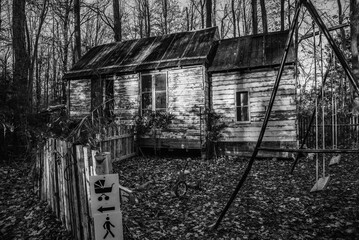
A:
(271, 205)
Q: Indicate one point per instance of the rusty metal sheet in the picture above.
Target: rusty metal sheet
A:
(252, 51)
(171, 50)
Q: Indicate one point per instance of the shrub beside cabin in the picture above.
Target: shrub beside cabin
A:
(184, 74)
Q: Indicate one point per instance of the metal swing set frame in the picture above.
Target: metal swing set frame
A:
(354, 82)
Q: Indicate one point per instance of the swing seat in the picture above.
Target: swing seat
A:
(335, 160)
(321, 184)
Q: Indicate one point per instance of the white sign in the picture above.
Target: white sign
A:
(108, 226)
(105, 195)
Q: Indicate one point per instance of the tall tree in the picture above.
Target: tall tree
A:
(77, 54)
(234, 18)
(354, 27)
(341, 19)
(165, 15)
(34, 54)
(21, 64)
(282, 15)
(208, 13)
(254, 17)
(264, 16)
(117, 21)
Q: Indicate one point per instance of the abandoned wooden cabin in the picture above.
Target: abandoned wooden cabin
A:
(165, 73)
(242, 77)
(184, 74)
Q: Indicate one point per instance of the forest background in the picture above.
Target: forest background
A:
(41, 39)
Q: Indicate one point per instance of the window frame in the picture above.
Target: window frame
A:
(248, 106)
(153, 91)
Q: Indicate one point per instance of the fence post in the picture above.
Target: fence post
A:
(102, 163)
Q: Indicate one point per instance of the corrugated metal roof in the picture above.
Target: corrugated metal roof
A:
(171, 50)
(251, 51)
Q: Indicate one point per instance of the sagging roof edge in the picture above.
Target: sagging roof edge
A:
(243, 69)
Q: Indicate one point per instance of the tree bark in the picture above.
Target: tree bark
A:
(354, 27)
(20, 69)
(264, 16)
(35, 48)
(164, 11)
(208, 13)
(187, 19)
(254, 17)
(282, 18)
(77, 30)
(117, 28)
(214, 13)
(341, 19)
(234, 19)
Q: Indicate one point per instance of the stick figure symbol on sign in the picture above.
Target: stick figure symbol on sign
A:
(107, 225)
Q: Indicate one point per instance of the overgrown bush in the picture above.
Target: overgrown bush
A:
(149, 121)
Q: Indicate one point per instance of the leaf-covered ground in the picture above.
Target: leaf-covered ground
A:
(22, 214)
(271, 205)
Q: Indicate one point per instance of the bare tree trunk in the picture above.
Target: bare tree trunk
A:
(77, 47)
(342, 31)
(354, 27)
(36, 46)
(117, 28)
(148, 18)
(214, 13)
(282, 15)
(254, 17)
(38, 81)
(234, 19)
(264, 16)
(192, 16)
(187, 19)
(245, 25)
(165, 11)
(208, 13)
(20, 69)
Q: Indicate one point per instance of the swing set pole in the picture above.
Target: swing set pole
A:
(313, 115)
(266, 118)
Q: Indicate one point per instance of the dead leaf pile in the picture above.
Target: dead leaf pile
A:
(271, 205)
(22, 214)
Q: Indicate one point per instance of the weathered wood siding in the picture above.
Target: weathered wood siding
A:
(281, 130)
(186, 95)
(126, 94)
(79, 97)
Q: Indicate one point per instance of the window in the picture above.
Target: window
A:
(153, 92)
(242, 106)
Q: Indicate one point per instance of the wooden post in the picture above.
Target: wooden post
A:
(102, 163)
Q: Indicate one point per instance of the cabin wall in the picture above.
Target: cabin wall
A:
(186, 98)
(79, 99)
(239, 138)
(127, 97)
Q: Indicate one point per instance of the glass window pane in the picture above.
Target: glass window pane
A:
(239, 114)
(160, 82)
(244, 98)
(160, 100)
(146, 101)
(238, 98)
(245, 116)
(146, 83)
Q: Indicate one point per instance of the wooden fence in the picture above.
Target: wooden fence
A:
(342, 134)
(63, 171)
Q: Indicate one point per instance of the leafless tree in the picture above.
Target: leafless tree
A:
(254, 17)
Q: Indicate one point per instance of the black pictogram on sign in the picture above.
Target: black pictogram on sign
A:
(100, 187)
(107, 225)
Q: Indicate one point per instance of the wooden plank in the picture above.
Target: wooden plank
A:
(75, 193)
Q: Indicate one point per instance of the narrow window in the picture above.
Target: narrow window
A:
(242, 106)
(154, 92)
